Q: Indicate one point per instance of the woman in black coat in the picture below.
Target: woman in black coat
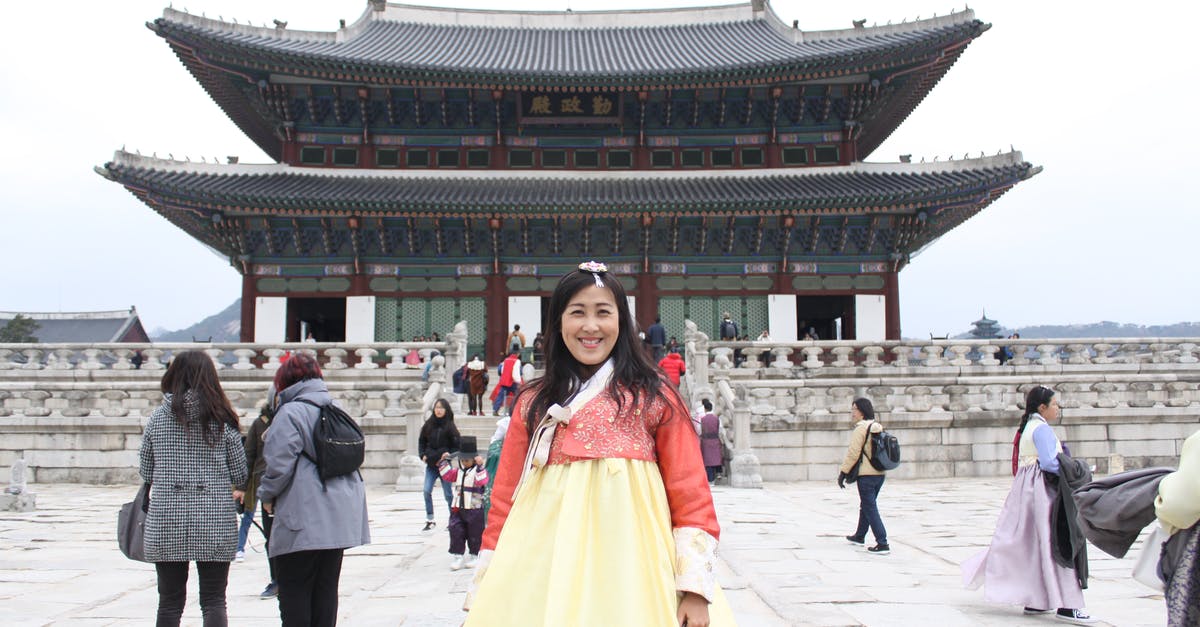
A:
(439, 437)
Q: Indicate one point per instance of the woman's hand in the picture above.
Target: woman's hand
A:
(444, 457)
(693, 610)
(239, 496)
(269, 508)
(478, 460)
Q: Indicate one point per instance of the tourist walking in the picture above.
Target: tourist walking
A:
(600, 511)
(710, 441)
(439, 436)
(192, 456)
(477, 380)
(857, 463)
(656, 336)
(257, 462)
(510, 381)
(516, 339)
(465, 471)
(674, 367)
(1019, 566)
(316, 519)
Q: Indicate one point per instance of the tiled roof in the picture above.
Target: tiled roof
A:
(83, 327)
(577, 49)
(285, 190)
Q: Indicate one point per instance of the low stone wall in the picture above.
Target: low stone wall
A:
(75, 413)
(953, 405)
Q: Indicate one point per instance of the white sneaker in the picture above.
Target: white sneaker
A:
(1076, 616)
(472, 561)
(241, 556)
(456, 563)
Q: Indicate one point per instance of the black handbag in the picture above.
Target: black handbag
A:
(131, 523)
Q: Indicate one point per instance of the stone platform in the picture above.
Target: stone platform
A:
(782, 562)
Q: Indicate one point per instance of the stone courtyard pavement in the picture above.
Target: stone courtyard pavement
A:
(783, 562)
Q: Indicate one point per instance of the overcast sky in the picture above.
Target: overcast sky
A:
(1104, 100)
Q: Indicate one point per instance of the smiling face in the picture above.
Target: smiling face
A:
(590, 327)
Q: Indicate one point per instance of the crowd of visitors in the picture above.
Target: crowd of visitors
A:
(594, 449)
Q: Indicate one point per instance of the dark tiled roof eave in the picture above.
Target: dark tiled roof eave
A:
(296, 191)
(757, 52)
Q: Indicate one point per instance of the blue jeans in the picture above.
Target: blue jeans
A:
(432, 475)
(244, 530)
(502, 396)
(868, 510)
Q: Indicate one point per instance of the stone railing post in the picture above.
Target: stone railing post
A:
(987, 355)
(366, 359)
(841, 357)
(695, 354)
(743, 467)
(1102, 349)
(60, 359)
(33, 359)
(91, 359)
(1019, 358)
(152, 359)
(1187, 354)
(116, 407)
(901, 354)
(6, 359)
(397, 355)
(37, 403)
(958, 355)
(1049, 354)
(812, 357)
(1077, 354)
(871, 356)
(337, 359)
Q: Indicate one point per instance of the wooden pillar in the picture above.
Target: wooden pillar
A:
(647, 300)
(497, 318)
(249, 294)
(891, 286)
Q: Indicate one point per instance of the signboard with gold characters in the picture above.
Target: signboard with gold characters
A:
(577, 107)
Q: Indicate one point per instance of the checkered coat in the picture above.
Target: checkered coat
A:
(192, 514)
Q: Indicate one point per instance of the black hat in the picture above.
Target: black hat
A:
(467, 448)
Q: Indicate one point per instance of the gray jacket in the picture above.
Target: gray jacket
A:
(192, 516)
(308, 516)
(1113, 510)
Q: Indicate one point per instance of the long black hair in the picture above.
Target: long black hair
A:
(447, 421)
(864, 405)
(1038, 395)
(632, 368)
(193, 371)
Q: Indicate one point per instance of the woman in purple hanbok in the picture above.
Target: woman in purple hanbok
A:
(1018, 567)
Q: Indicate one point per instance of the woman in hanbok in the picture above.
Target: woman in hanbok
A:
(601, 513)
(1018, 567)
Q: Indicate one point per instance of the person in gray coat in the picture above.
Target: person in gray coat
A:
(192, 457)
(314, 522)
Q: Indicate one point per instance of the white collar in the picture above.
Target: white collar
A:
(600, 377)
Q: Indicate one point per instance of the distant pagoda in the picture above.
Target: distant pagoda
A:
(985, 328)
(435, 165)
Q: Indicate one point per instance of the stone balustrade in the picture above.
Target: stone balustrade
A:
(953, 405)
(76, 412)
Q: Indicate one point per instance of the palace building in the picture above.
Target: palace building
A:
(436, 165)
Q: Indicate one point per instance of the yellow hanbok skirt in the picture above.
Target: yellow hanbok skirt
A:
(587, 543)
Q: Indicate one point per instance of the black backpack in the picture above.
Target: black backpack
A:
(885, 451)
(339, 442)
